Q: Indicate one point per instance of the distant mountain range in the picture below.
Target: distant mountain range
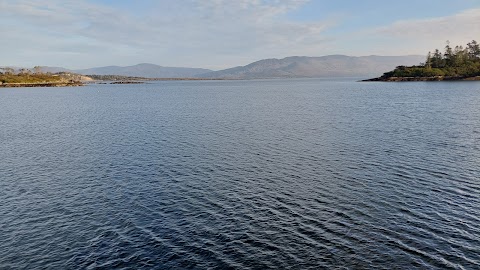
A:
(140, 70)
(289, 67)
(147, 71)
(325, 66)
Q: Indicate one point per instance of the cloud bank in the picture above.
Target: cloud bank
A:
(430, 33)
(201, 33)
(190, 29)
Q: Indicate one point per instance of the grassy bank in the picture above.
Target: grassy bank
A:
(32, 80)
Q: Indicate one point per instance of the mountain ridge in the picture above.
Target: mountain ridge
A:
(322, 66)
(289, 67)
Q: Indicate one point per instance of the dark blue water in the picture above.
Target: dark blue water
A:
(241, 174)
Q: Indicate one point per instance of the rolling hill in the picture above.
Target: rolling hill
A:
(289, 67)
(325, 66)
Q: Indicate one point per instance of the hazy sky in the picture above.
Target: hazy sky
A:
(218, 33)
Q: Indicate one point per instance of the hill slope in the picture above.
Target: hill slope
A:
(325, 66)
(289, 67)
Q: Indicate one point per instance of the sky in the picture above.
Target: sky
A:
(218, 34)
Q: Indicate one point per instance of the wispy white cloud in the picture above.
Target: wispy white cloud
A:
(458, 26)
(431, 33)
(412, 36)
(202, 29)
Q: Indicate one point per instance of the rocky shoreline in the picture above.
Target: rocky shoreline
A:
(422, 79)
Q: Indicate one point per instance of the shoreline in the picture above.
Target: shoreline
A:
(47, 84)
(421, 79)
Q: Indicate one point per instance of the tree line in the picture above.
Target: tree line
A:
(22, 71)
(455, 61)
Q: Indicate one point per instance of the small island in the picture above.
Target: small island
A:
(454, 64)
(9, 77)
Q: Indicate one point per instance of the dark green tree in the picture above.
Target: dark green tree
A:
(428, 62)
(448, 54)
(457, 62)
(437, 59)
(473, 49)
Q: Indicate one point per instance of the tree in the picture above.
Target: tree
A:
(37, 70)
(459, 56)
(437, 59)
(24, 71)
(473, 49)
(428, 62)
(8, 70)
(448, 54)
(457, 62)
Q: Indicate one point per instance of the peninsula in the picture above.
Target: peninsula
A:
(459, 63)
(28, 78)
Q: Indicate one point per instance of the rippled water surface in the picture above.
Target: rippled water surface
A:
(241, 174)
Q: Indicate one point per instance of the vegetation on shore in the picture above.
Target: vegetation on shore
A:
(459, 63)
(27, 78)
(10, 77)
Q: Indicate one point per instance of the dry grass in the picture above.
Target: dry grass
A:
(30, 78)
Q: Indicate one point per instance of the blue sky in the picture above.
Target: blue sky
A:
(218, 34)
